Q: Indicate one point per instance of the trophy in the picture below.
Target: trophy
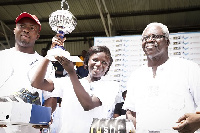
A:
(63, 22)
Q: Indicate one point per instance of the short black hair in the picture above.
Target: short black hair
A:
(98, 49)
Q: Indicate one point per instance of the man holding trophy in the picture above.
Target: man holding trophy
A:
(18, 64)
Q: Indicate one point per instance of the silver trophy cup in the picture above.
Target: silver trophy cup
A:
(62, 21)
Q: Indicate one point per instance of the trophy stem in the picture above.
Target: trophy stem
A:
(62, 36)
(61, 32)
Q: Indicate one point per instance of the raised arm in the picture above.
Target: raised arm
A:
(39, 81)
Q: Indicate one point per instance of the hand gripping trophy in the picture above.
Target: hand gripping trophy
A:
(63, 22)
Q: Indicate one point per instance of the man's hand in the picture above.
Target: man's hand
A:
(57, 40)
(130, 115)
(188, 123)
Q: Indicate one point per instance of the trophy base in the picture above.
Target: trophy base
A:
(60, 52)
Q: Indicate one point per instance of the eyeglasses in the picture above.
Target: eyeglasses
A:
(154, 37)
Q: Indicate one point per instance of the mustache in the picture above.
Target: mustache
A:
(26, 35)
(150, 44)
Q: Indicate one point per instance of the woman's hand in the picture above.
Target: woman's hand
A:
(67, 64)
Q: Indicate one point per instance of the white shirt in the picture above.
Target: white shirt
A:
(16, 71)
(160, 101)
(56, 116)
(75, 119)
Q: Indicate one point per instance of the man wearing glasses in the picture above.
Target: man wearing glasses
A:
(164, 89)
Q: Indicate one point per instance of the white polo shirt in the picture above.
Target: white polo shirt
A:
(160, 101)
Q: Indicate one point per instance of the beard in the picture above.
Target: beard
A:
(25, 43)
